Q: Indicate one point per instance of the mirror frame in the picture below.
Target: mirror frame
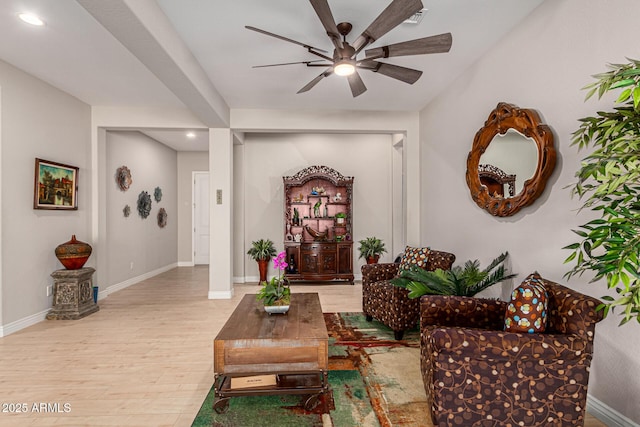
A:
(527, 122)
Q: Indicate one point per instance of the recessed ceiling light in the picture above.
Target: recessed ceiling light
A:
(30, 18)
(191, 135)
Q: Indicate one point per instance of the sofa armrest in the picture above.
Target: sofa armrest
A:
(571, 312)
(372, 273)
(464, 312)
(477, 344)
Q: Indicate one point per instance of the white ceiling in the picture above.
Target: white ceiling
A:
(197, 53)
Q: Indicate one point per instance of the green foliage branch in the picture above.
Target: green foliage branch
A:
(608, 182)
(460, 281)
(262, 249)
(370, 247)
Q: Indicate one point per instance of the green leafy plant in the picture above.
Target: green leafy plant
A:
(609, 184)
(461, 281)
(341, 215)
(371, 247)
(262, 249)
(276, 291)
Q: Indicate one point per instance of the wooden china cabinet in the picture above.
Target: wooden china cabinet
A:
(318, 225)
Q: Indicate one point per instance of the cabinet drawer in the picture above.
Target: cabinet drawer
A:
(322, 247)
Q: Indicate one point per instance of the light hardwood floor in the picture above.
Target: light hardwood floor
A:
(145, 359)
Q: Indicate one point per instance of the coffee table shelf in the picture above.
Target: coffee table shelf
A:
(313, 385)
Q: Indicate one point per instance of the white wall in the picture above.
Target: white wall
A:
(269, 157)
(38, 121)
(540, 65)
(188, 162)
(134, 239)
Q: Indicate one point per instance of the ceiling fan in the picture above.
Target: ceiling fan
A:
(345, 62)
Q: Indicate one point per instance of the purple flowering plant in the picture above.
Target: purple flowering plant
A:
(276, 291)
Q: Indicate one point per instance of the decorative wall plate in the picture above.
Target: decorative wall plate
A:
(157, 194)
(162, 218)
(123, 178)
(126, 211)
(144, 204)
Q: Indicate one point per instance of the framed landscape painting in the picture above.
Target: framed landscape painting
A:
(56, 186)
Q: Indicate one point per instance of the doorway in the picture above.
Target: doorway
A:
(200, 218)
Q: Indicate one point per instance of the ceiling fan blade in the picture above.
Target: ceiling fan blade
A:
(326, 17)
(391, 17)
(433, 44)
(309, 63)
(306, 46)
(404, 74)
(356, 84)
(315, 81)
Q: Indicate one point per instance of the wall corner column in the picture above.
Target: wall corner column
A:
(221, 213)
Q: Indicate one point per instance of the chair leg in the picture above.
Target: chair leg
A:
(369, 318)
(398, 335)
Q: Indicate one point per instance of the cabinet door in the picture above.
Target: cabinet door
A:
(328, 261)
(309, 256)
(345, 255)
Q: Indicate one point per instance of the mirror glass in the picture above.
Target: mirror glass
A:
(513, 154)
(510, 161)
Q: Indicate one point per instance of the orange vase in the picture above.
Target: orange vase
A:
(373, 259)
(263, 265)
(73, 254)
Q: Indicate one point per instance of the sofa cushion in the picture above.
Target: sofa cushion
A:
(527, 311)
(417, 257)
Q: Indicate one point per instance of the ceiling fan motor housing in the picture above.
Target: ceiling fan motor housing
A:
(346, 52)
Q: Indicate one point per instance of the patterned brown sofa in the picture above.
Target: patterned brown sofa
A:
(475, 374)
(390, 304)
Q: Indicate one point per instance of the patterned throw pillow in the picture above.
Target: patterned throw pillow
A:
(527, 311)
(413, 257)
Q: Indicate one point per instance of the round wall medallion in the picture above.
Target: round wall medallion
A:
(157, 194)
(162, 218)
(144, 204)
(123, 178)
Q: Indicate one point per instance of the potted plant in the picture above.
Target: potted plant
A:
(262, 251)
(460, 281)
(608, 184)
(371, 248)
(276, 293)
(340, 217)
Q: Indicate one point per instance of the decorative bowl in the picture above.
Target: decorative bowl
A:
(276, 309)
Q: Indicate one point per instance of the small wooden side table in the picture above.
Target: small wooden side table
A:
(72, 294)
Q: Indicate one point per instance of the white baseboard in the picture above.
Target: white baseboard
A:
(22, 323)
(39, 317)
(608, 415)
(186, 264)
(220, 294)
(238, 279)
(122, 285)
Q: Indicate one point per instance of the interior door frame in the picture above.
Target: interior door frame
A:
(193, 214)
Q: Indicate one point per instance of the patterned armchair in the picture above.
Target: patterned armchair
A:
(390, 304)
(475, 374)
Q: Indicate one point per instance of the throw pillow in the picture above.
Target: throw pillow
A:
(527, 311)
(417, 257)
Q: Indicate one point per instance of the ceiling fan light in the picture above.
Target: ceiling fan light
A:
(344, 68)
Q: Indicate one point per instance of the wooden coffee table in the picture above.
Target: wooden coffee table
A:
(292, 347)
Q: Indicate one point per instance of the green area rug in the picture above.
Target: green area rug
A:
(374, 379)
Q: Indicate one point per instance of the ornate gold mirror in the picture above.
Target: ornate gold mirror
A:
(510, 161)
